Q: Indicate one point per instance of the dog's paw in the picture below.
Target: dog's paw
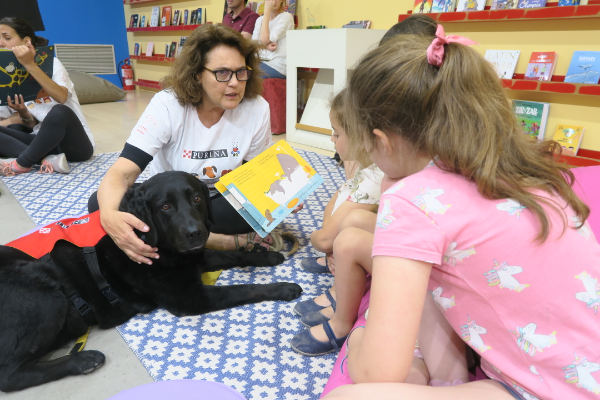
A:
(88, 361)
(266, 259)
(285, 291)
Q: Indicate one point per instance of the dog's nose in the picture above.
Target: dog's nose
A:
(192, 234)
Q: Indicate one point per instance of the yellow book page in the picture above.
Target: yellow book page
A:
(269, 179)
(569, 137)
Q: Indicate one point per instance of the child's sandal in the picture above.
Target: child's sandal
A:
(307, 306)
(306, 344)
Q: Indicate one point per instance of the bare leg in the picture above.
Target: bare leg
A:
(443, 350)
(352, 249)
(361, 219)
(219, 241)
(484, 389)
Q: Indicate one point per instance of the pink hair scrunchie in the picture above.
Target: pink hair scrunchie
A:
(435, 51)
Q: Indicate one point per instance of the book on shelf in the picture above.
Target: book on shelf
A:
(166, 16)
(175, 18)
(470, 5)
(291, 7)
(569, 2)
(301, 94)
(186, 14)
(17, 80)
(150, 49)
(532, 117)
(531, 3)
(422, 6)
(201, 16)
(155, 16)
(541, 66)
(136, 49)
(449, 6)
(504, 61)
(358, 24)
(569, 137)
(143, 22)
(437, 6)
(267, 188)
(173, 49)
(194, 17)
(316, 27)
(167, 49)
(504, 4)
(182, 41)
(133, 22)
(584, 67)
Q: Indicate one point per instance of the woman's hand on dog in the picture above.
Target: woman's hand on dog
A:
(120, 225)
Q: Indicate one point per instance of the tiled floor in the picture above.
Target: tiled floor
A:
(111, 124)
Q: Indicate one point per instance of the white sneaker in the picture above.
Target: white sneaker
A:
(58, 163)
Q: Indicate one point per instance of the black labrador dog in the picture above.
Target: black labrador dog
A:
(38, 311)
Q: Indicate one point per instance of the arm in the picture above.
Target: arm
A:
(264, 29)
(248, 29)
(24, 117)
(26, 56)
(247, 35)
(383, 351)
(322, 239)
(117, 224)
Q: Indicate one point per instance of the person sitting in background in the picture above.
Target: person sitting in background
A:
(240, 17)
(48, 131)
(272, 36)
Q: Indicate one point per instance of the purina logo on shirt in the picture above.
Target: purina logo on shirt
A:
(203, 155)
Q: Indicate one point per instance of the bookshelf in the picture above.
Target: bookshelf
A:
(157, 57)
(164, 28)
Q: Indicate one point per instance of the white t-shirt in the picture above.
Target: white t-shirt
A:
(278, 28)
(39, 108)
(364, 188)
(178, 141)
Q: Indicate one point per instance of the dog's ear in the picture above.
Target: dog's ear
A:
(215, 169)
(208, 221)
(134, 202)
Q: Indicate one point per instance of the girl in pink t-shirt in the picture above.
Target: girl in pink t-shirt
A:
(482, 219)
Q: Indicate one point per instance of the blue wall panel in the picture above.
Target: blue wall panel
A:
(87, 22)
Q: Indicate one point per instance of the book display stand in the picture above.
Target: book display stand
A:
(549, 18)
(334, 52)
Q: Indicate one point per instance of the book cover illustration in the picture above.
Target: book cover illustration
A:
(437, 6)
(504, 4)
(531, 3)
(167, 50)
(201, 16)
(569, 137)
(186, 14)
(166, 16)
(16, 80)
(155, 16)
(136, 18)
(173, 49)
(504, 61)
(532, 117)
(182, 41)
(143, 22)
(176, 18)
(194, 17)
(449, 6)
(470, 5)
(422, 6)
(568, 2)
(291, 8)
(584, 67)
(266, 189)
(541, 66)
(136, 49)
(150, 49)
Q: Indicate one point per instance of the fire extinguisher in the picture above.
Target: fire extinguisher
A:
(126, 72)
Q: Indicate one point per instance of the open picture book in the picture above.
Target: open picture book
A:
(15, 79)
(267, 188)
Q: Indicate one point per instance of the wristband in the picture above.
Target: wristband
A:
(27, 119)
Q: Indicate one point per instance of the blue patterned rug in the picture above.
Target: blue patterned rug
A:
(246, 347)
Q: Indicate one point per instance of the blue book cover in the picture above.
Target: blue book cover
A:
(568, 2)
(584, 67)
(531, 3)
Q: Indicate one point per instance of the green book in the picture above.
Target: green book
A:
(532, 117)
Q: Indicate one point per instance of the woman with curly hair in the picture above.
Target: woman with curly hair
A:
(208, 119)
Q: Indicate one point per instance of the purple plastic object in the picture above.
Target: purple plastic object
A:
(183, 389)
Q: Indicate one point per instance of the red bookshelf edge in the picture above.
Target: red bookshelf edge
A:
(157, 57)
(584, 158)
(165, 28)
(147, 83)
(551, 11)
(555, 85)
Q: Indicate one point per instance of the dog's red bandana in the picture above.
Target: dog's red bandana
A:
(85, 231)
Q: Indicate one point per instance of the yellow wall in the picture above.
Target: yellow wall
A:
(562, 36)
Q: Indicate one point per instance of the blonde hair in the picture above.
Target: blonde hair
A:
(337, 108)
(459, 116)
(182, 75)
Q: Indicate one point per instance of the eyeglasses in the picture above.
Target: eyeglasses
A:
(224, 75)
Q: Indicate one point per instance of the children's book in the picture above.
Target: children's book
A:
(173, 49)
(186, 14)
(201, 15)
(143, 22)
(166, 16)
(267, 188)
(150, 49)
(541, 66)
(167, 50)
(504, 61)
(569, 137)
(155, 16)
(470, 5)
(504, 4)
(437, 6)
(531, 3)
(194, 17)
(358, 24)
(449, 6)
(422, 6)
(584, 68)
(176, 18)
(182, 41)
(532, 117)
(568, 2)
(136, 49)
(16, 80)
